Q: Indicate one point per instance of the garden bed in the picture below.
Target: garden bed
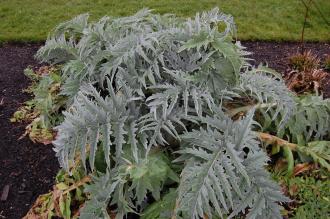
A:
(29, 169)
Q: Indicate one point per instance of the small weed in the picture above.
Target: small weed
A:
(309, 193)
(42, 112)
(304, 62)
(326, 63)
(306, 74)
(66, 198)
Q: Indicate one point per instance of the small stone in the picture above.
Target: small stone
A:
(5, 192)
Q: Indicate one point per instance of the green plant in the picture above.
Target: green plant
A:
(162, 209)
(309, 192)
(307, 131)
(67, 192)
(311, 121)
(157, 104)
(43, 111)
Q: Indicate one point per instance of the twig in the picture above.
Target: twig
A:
(5, 193)
(83, 181)
(271, 139)
(305, 22)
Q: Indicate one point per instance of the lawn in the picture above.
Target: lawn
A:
(256, 20)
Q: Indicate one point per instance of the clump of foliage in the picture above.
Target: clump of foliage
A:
(309, 123)
(306, 134)
(162, 114)
(67, 192)
(309, 190)
(306, 61)
(315, 198)
(43, 111)
(326, 63)
(306, 74)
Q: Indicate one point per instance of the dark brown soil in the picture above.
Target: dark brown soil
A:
(276, 54)
(29, 168)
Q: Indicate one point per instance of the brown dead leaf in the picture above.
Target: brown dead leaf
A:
(49, 204)
(55, 199)
(45, 70)
(39, 134)
(280, 165)
(305, 81)
(34, 213)
(293, 189)
(300, 168)
(284, 189)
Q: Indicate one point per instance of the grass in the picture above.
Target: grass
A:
(256, 20)
(309, 192)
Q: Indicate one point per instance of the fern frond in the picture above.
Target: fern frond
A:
(306, 129)
(311, 120)
(319, 151)
(57, 50)
(88, 120)
(74, 27)
(183, 91)
(101, 190)
(263, 195)
(269, 89)
(218, 174)
(73, 73)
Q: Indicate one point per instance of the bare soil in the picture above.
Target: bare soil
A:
(28, 168)
(276, 56)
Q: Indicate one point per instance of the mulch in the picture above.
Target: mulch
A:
(28, 169)
(276, 54)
